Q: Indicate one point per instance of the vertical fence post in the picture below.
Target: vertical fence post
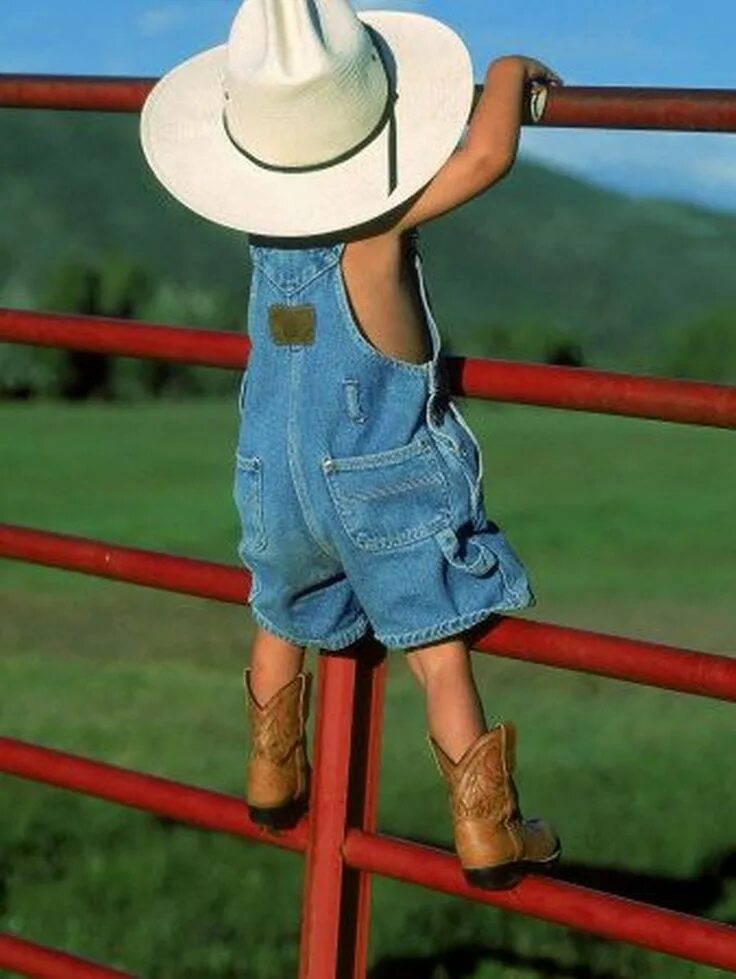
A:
(336, 906)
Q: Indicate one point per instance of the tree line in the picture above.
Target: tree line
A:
(119, 287)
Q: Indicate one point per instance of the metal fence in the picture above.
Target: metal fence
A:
(338, 838)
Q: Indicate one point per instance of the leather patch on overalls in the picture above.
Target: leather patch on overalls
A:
(291, 324)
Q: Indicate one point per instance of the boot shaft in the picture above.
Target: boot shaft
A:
(480, 784)
(277, 726)
(278, 771)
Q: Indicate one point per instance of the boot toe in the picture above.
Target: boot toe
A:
(541, 842)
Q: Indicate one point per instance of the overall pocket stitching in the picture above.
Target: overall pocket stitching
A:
(434, 511)
(241, 391)
(372, 460)
(289, 284)
(395, 488)
(472, 474)
(249, 499)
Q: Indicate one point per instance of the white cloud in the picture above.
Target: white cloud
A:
(163, 18)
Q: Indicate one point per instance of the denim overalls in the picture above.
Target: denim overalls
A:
(357, 480)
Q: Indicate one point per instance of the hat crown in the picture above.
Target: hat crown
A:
(303, 80)
(300, 39)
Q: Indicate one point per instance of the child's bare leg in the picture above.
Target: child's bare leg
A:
(274, 662)
(454, 712)
(494, 843)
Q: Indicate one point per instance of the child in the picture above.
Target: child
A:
(330, 138)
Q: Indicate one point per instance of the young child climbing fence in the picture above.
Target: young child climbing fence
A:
(329, 138)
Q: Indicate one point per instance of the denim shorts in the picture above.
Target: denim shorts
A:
(357, 480)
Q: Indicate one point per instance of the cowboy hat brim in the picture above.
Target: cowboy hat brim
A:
(187, 147)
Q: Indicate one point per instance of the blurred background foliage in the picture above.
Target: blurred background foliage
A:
(545, 267)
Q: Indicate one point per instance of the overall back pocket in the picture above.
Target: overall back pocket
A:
(391, 498)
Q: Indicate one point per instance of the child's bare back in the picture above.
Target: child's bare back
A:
(382, 286)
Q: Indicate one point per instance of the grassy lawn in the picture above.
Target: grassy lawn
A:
(626, 526)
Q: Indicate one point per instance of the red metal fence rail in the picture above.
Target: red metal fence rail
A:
(609, 106)
(649, 663)
(339, 838)
(575, 388)
(30, 959)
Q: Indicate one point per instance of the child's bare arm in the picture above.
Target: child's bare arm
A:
(491, 145)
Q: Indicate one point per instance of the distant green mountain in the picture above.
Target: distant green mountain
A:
(541, 252)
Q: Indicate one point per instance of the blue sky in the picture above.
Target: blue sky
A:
(588, 42)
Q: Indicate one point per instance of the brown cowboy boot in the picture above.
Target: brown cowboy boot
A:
(495, 844)
(278, 772)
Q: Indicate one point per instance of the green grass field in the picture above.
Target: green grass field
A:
(626, 526)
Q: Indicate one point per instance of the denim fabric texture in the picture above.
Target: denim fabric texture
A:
(357, 480)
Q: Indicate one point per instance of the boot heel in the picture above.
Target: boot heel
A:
(285, 817)
(496, 878)
(508, 874)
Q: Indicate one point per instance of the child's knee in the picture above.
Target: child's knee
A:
(441, 658)
(416, 668)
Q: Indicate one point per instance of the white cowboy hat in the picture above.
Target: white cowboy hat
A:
(310, 119)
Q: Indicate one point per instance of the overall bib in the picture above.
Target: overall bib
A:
(357, 480)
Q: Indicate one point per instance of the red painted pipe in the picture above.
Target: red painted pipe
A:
(552, 900)
(629, 107)
(650, 663)
(184, 803)
(574, 388)
(108, 335)
(364, 779)
(654, 664)
(581, 389)
(609, 107)
(634, 107)
(28, 959)
(336, 909)
(321, 931)
(86, 92)
(190, 576)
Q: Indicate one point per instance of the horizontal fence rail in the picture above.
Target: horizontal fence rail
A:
(653, 664)
(582, 908)
(609, 107)
(573, 388)
(30, 959)
(630, 107)
(538, 896)
(106, 93)
(121, 337)
(163, 797)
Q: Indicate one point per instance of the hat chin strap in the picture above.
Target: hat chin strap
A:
(388, 116)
